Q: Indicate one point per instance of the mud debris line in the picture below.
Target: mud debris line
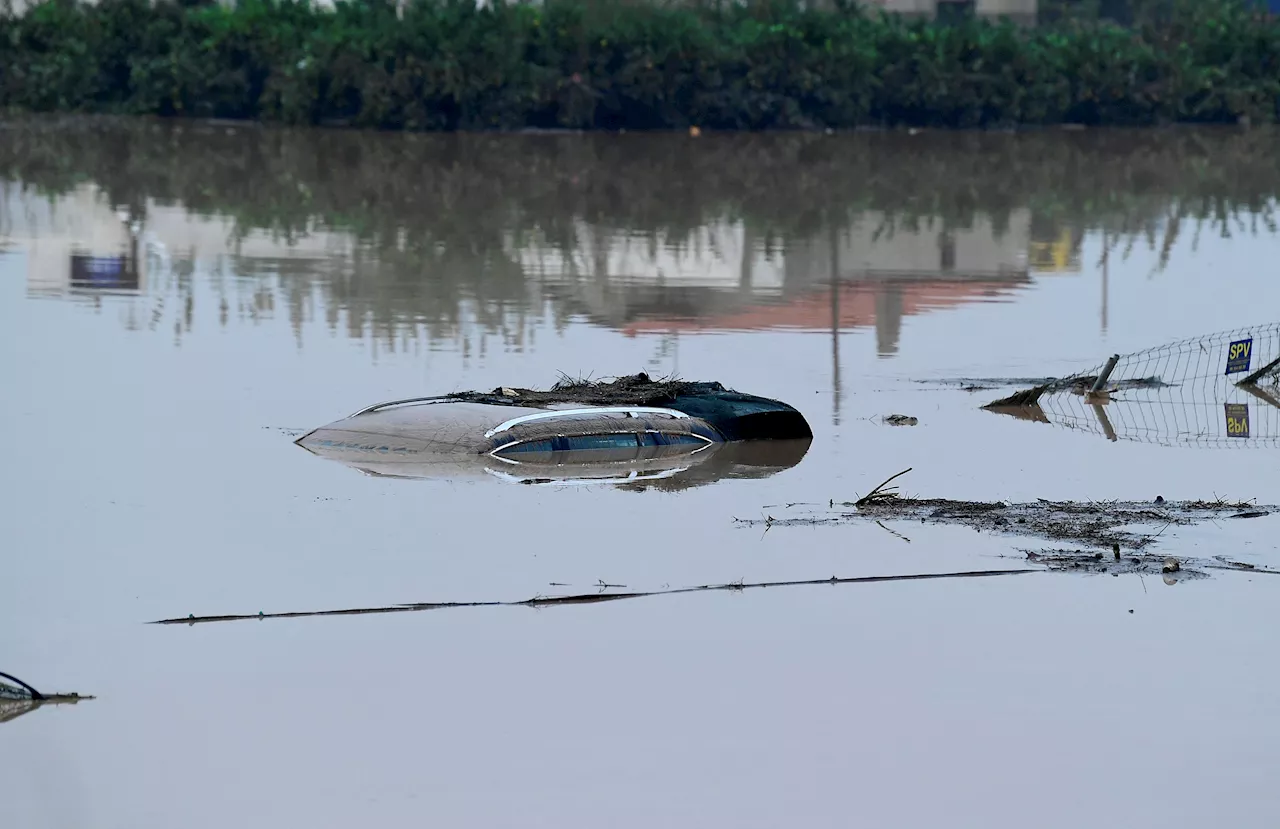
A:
(1170, 569)
(633, 390)
(1131, 525)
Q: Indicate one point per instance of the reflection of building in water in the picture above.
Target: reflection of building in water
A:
(1054, 249)
(79, 244)
(888, 272)
(76, 245)
(872, 272)
(613, 277)
(388, 291)
(723, 280)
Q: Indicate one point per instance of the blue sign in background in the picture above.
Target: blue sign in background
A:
(1238, 355)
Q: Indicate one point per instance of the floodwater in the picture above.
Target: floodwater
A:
(179, 301)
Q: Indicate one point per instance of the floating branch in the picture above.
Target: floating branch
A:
(880, 493)
(593, 598)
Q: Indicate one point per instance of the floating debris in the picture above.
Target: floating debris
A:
(1055, 561)
(882, 492)
(592, 598)
(1171, 570)
(1088, 561)
(1091, 523)
(1080, 385)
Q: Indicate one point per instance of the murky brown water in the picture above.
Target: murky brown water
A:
(278, 280)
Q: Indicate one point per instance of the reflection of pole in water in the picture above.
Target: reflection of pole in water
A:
(1106, 270)
(668, 346)
(746, 270)
(835, 327)
(1105, 421)
(888, 319)
(1260, 394)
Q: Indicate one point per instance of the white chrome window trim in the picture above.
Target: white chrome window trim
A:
(630, 478)
(405, 401)
(494, 452)
(629, 411)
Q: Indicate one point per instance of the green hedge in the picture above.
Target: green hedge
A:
(606, 65)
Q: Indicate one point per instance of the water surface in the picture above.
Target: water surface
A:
(179, 301)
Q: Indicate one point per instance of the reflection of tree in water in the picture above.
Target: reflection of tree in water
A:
(434, 219)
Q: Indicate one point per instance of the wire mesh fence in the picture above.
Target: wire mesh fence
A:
(1170, 419)
(1220, 390)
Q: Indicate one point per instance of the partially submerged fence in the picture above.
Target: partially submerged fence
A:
(1220, 390)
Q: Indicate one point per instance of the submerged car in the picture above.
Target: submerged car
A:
(18, 698)
(633, 429)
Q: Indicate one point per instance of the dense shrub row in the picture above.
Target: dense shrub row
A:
(589, 64)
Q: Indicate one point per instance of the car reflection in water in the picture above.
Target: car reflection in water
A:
(19, 698)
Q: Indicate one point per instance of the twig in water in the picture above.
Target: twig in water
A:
(894, 532)
(880, 493)
(1149, 538)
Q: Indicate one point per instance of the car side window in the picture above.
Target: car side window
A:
(529, 446)
(624, 441)
(628, 440)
